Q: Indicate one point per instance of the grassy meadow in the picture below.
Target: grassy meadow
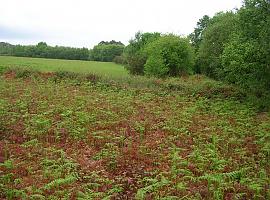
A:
(80, 136)
(53, 65)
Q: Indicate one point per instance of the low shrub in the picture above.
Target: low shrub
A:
(66, 74)
(25, 73)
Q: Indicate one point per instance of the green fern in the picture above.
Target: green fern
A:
(37, 197)
(60, 182)
(152, 188)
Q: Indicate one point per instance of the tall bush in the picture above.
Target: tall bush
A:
(246, 58)
(169, 55)
(214, 38)
(106, 52)
(134, 54)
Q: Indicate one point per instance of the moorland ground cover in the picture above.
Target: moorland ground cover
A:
(76, 136)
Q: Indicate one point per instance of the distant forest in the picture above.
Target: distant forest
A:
(104, 51)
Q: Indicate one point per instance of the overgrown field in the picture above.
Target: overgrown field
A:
(49, 65)
(65, 136)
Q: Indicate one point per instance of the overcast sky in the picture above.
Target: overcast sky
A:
(84, 23)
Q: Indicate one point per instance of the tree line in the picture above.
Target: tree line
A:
(105, 51)
(42, 50)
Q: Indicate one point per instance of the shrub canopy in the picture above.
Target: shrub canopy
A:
(134, 54)
(169, 55)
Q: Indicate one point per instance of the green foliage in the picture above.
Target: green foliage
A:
(214, 38)
(155, 66)
(7, 164)
(110, 153)
(238, 70)
(134, 53)
(25, 73)
(110, 42)
(42, 50)
(234, 47)
(3, 69)
(5, 48)
(196, 36)
(246, 57)
(58, 166)
(152, 186)
(60, 182)
(169, 55)
(66, 75)
(31, 143)
(95, 181)
(106, 52)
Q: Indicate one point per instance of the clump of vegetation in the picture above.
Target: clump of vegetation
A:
(215, 36)
(159, 55)
(66, 74)
(106, 51)
(24, 72)
(134, 53)
(169, 55)
(245, 59)
(234, 47)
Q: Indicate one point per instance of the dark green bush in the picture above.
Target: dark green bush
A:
(134, 56)
(169, 55)
(246, 58)
(106, 52)
(214, 38)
